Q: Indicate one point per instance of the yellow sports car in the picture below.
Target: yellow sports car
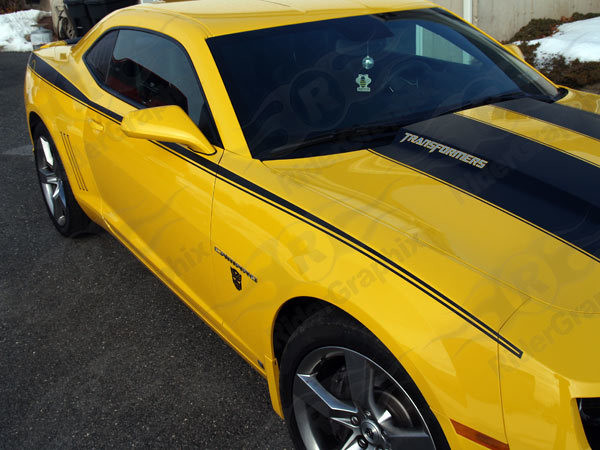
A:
(387, 213)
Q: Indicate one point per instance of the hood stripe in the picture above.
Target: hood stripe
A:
(270, 198)
(551, 135)
(575, 119)
(549, 189)
(396, 161)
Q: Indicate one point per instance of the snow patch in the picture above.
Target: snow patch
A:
(15, 27)
(575, 40)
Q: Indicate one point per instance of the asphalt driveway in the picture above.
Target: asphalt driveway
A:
(94, 350)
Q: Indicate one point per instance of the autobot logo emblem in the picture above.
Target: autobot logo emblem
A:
(236, 278)
(238, 267)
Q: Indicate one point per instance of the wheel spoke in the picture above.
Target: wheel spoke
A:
(308, 390)
(59, 204)
(58, 207)
(47, 151)
(56, 193)
(412, 438)
(346, 422)
(47, 189)
(360, 377)
(47, 176)
(352, 443)
(384, 417)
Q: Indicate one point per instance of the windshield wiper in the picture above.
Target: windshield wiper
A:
(345, 134)
(378, 130)
(491, 99)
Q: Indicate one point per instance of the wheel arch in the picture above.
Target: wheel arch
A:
(294, 311)
(37, 98)
(290, 315)
(33, 120)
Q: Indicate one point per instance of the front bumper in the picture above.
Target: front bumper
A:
(560, 364)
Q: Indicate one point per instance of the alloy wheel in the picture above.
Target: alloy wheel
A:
(344, 400)
(51, 181)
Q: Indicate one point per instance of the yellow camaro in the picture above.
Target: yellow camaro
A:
(388, 214)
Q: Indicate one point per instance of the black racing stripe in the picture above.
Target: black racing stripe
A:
(566, 116)
(52, 76)
(549, 189)
(289, 208)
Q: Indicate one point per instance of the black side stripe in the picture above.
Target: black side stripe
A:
(289, 208)
(295, 211)
(565, 116)
(52, 76)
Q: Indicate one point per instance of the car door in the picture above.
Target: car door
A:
(154, 198)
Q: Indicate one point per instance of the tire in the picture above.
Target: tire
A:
(342, 389)
(64, 211)
(65, 28)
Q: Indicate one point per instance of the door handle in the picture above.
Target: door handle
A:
(96, 125)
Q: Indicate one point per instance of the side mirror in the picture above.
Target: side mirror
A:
(515, 50)
(168, 124)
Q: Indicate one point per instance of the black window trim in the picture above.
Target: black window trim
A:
(101, 85)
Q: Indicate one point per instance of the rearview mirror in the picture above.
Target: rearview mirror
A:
(168, 124)
(515, 50)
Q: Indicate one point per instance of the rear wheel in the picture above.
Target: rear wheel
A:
(66, 215)
(342, 389)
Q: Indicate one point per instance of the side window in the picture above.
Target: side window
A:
(152, 70)
(98, 57)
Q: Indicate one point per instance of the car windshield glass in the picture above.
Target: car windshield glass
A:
(297, 90)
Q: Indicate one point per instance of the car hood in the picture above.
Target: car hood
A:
(510, 191)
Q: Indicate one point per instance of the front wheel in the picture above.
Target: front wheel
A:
(342, 389)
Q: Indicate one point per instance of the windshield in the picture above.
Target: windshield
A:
(292, 84)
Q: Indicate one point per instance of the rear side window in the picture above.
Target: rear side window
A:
(148, 70)
(98, 57)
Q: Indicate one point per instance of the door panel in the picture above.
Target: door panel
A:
(153, 198)
(158, 202)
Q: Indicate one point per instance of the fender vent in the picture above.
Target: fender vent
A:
(73, 160)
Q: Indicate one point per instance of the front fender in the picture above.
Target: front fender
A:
(539, 391)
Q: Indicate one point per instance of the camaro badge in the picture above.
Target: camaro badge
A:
(363, 80)
(237, 279)
(433, 146)
(236, 275)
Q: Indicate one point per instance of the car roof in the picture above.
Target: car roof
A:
(220, 17)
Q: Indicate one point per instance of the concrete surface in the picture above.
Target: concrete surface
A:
(502, 19)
